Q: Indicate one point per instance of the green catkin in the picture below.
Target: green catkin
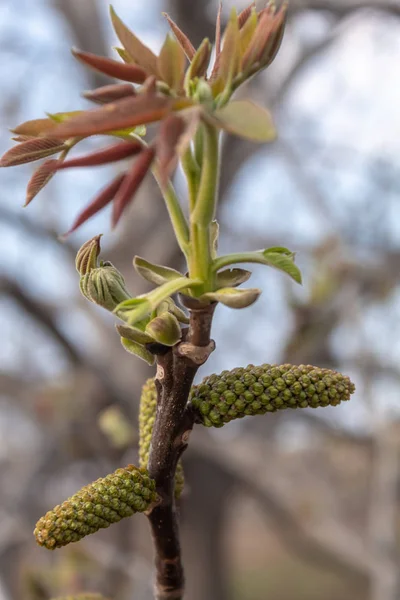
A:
(267, 388)
(82, 597)
(96, 506)
(147, 415)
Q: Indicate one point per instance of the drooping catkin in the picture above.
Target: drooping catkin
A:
(96, 506)
(147, 415)
(267, 388)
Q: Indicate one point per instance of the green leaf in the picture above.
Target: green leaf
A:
(245, 119)
(229, 59)
(157, 274)
(282, 261)
(232, 297)
(168, 305)
(138, 350)
(232, 277)
(171, 63)
(133, 310)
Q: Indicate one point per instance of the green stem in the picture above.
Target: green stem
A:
(203, 213)
(175, 212)
(192, 172)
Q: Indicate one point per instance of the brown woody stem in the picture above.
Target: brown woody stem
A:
(176, 369)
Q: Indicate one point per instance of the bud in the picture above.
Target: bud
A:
(96, 506)
(104, 286)
(165, 329)
(86, 258)
(268, 388)
(147, 415)
(168, 305)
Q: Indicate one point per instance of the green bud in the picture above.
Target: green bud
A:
(165, 329)
(104, 286)
(268, 388)
(96, 506)
(147, 415)
(86, 258)
(168, 305)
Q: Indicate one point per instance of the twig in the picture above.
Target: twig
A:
(176, 369)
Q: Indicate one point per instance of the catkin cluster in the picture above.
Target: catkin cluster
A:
(96, 506)
(267, 388)
(147, 415)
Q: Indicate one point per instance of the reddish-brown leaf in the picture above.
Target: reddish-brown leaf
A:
(259, 41)
(272, 46)
(182, 38)
(21, 138)
(141, 54)
(168, 137)
(107, 155)
(31, 150)
(40, 178)
(34, 127)
(127, 112)
(104, 197)
(131, 183)
(111, 67)
(150, 86)
(110, 93)
(244, 15)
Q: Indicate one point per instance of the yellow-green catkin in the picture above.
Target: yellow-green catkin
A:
(96, 506)
(147, 415)
(82, 597)
(267, 388)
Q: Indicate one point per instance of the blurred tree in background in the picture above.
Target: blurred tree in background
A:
(322, 520)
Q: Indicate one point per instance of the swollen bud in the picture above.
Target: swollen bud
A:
(104, 286)
(96, 506)
(165, 329)
(86, 258)
(268, 388)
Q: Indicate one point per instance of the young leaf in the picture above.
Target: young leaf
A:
(40, 179)
(165, 329)
(124, 56)
(138, 350)
(247, 31)
(87, 255)
(110, 93)
(111, 67)
(170, 132)
(141, 54)
(229, 60)
(168, 305)
(107, 155)
(127, 112)
(156, 274)
(200, 62)
(34, 127)
(171, 63)
(245, 14)
(184, 41)
(246, 119)
(131, 183)
(105, 197)
(283, 262)
(31, 150)
(232, 297)
(232, 277)
(133, 310)
(134, 334)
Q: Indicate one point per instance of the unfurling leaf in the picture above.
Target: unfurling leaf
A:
(232, 297)
(171, 63)
(107, 155)
(110, 93)
(34, 127)
(168, 305)
(157, 274)
(138, 350)
(40, 179)
(200, 62)
(245, 14)
(169, 134)
(111, 67)
(132, 182)
(245, 119)
(184, 41)
(229, 60)
(247, 31)
(30, 151)
(141, 54)
(282, 260)
(266, 39)
(104, 197)
(87, 255)
(134, 334)
(218, 35)
(127, 112)
(134, 310)
(165, 329)
(232, 277)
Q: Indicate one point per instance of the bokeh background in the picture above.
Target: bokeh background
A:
(302, 505)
